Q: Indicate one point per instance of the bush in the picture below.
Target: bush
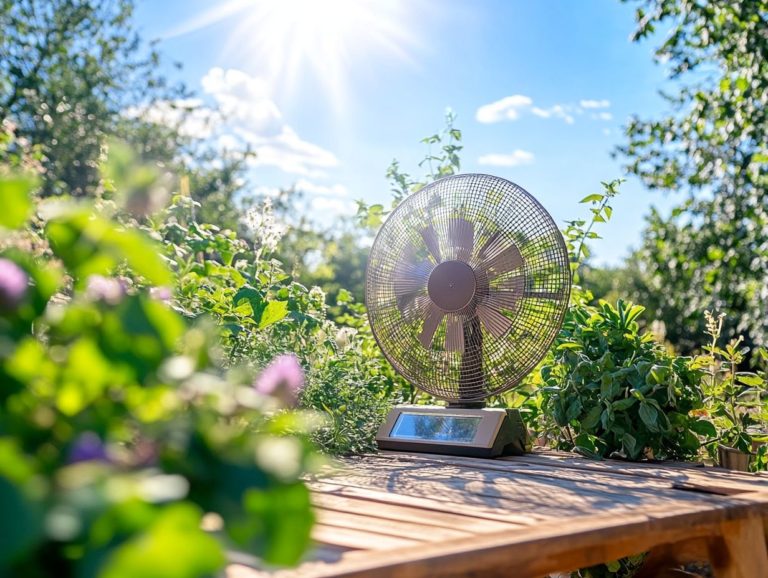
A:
(121, 425)
(617, 393)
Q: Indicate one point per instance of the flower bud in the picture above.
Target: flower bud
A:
(14, 282)
(282, 378)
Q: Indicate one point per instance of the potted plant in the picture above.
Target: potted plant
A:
(733, 401)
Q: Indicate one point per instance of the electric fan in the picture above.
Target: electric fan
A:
(468, 281)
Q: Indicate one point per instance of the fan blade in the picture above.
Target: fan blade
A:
(490, 244)
(515, 284)
(506, 300)
(554, 295)
(413, 307)
(434, 316)
(493, 321)
(508, 259)
(430, 240)
(454, 334)
(411, 277)
(461, 234)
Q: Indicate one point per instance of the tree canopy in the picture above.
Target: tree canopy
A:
(712, 145)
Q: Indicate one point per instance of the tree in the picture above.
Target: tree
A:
(75, 74)
(712, 252)
(68, 68)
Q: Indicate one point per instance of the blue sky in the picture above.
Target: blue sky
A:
(328, 93)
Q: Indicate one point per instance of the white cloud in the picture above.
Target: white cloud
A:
(508, 108)
(333, 206)
(244, 116)
(512, 107)
(249, 116)
(243, 99)
(515, 158)
(557, 111)
(327, 191)
(595, 103)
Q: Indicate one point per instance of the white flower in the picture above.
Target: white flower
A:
(267, 231)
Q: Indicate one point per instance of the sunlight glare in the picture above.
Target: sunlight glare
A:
(285, 39)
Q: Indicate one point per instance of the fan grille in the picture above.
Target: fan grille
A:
(517, 301)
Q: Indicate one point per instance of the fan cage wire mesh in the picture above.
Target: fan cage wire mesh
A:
(523, 280)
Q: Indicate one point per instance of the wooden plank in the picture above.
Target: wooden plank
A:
(359, 539)
(613, 479)
(744, 553)
(706, 476)
(546, 548)
(367, 519)
(601, 481)
(655, 474)
(410, 513)
(541, 497)
(428, 503)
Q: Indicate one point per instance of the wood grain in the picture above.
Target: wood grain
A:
(421, 515)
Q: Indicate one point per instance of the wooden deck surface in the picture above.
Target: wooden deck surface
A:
(422, 515)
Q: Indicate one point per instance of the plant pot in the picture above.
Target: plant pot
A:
(733, 459)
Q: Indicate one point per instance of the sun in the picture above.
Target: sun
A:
(286, 40)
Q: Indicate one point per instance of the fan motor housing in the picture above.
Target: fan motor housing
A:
(452, 285)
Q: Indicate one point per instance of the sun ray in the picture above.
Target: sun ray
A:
(287, 40)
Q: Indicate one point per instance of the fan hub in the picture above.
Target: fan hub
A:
(452, 285)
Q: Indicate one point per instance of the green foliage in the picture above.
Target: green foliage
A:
(624, 567)
(733, 398)
(616, 393)
(123, 430)
(17, 204)
(263, 312)
(67, 70)
(439, 164)
(711, 252)
(579, 232)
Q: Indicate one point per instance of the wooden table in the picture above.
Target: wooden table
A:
(421, 515)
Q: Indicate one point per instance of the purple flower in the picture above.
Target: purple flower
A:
(87, 447)
(13, 284)
(106, 289)
(283, 378)
(160, 294)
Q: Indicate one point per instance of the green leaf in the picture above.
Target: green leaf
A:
(344, 296)
(657, 374)
(176, 531)
(283, 516)
(649, 416)
(593, 198)
(253, 297)
(92, 245)
(749, 379)
(592, 418)
(574, 409)
(273, 312)
(16, 202)
(704, 428)
(630, 444)
(20, 524)
(624, 404)
(569, 345)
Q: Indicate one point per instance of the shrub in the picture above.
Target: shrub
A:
(616, 393)
(121, 426)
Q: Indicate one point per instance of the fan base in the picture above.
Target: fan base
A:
(481, 433)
